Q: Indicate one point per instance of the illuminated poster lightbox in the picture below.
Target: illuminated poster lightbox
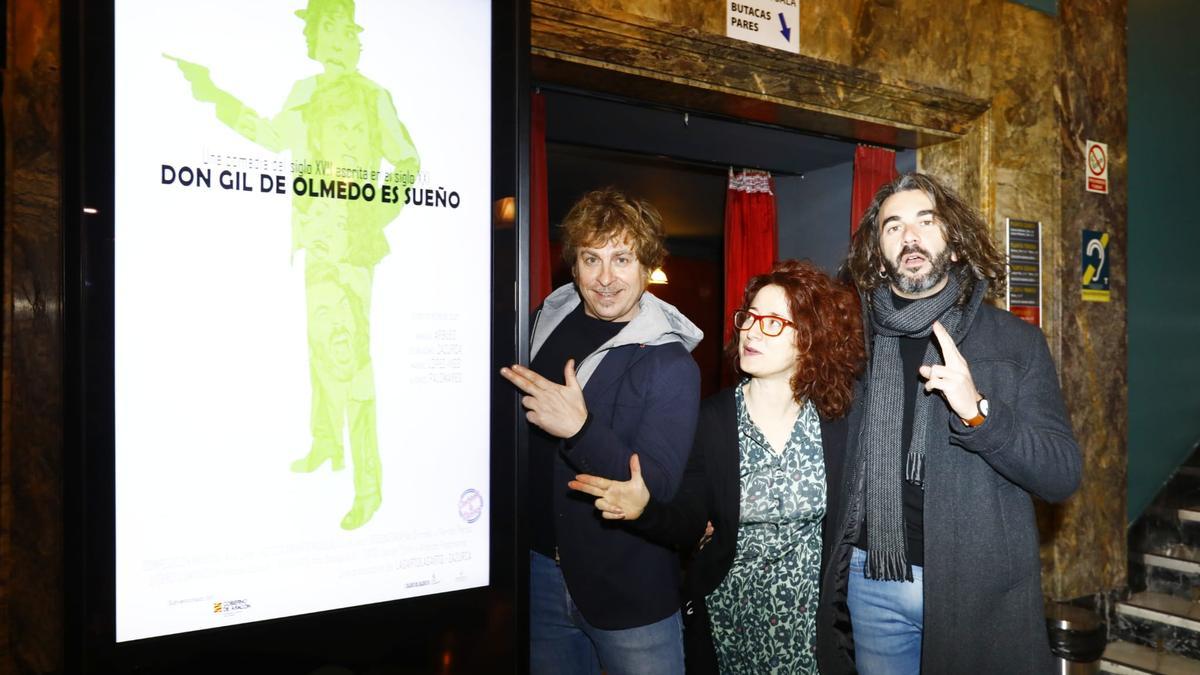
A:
(302, 306)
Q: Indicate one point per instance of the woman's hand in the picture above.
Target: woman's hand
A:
(617, 500)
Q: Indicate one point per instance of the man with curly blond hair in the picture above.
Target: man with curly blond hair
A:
(610, 375)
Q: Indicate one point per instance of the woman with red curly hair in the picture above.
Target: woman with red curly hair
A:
(764, 452)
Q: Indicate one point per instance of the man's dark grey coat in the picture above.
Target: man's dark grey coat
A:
(983, 596)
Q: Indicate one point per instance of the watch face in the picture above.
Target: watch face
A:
(983, 407)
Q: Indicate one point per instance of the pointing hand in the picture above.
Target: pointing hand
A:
(953, 379)
(558, 409)
(617, 500)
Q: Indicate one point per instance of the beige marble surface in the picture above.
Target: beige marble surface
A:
(31, 449)
(1090, 104)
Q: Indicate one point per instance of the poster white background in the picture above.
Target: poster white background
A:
(212, 382)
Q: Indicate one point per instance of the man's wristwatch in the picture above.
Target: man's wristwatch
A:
(981, 415)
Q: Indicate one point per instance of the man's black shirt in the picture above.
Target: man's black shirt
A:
(577, 336)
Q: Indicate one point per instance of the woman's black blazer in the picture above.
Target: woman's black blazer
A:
(711, 491)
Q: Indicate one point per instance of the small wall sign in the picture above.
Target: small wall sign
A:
(1095, 167)
(771, 23)
(1095, 267)
(1025, 269)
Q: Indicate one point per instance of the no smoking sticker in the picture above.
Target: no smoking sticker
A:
(1096, 167)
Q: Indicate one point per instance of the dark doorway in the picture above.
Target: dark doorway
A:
(680, 162)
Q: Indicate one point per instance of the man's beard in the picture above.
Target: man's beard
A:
(913, 285)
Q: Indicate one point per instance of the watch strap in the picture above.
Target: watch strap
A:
(979, 417)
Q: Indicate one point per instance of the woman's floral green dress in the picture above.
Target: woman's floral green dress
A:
(764, 613)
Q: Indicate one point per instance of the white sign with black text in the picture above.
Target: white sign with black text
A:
(771, 23)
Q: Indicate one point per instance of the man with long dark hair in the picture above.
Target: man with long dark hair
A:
(960, 422)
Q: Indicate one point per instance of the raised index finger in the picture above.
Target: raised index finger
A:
(950, 353)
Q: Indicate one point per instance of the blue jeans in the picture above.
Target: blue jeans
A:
(562, 642)
(887, 619)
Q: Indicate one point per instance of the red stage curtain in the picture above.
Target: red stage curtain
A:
(750, 235)
(873, 168)
(539, 217)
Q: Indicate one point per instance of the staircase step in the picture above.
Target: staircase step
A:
(1182, 489)
(1126, 658)
(1157, 628)
(1185, 510)
(1164, 608)
(1188, 518)
(1173, 569)
(1160, 620)
(1174, 521)
(1179, 558)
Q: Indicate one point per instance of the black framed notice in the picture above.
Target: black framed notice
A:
(1024, 245)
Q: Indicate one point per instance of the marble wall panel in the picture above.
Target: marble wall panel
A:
(1026, 194)
(1024, 132)
(901, 40)
(708, 17)
(1091, 105)
(1023, 60)
(963, 163)
(944, 43)
(1158, 635)
(667, 53)
(31, 466)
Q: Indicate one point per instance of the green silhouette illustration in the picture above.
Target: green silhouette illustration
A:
(344, 125)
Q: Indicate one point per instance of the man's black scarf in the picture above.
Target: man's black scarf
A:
(883, 420)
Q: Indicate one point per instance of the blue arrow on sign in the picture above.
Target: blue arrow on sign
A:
(787, 32)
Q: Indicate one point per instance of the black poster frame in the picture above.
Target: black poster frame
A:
(465, 631)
